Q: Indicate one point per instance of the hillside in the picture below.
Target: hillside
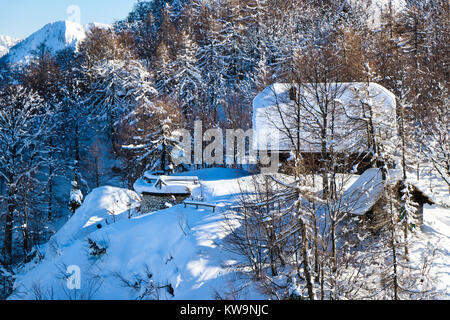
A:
(178, 253)
(319, 132)
(179, 247)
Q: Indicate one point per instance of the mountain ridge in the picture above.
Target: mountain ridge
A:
(7, 42)
(56, 36)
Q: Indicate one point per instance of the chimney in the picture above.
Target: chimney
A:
(293, 93)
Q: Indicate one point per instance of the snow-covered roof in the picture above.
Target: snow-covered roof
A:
(153, 184)
(362, 195)
(275, 114)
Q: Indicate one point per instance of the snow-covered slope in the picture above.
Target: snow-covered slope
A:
(6, 43)
(177, 253)
(101, 207)
(56, 36)
(180, 247)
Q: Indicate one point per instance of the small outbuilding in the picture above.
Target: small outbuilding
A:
(158, 191)
(366, 197)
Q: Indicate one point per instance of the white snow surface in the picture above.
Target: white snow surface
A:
(76, 196)
(98, 25)
(435, 234)
(181, 247)
(435, 231)
(367, 189)
(376, 8)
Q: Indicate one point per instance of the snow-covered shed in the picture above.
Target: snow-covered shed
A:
(157, 191)
(366, 196)
(286, 110)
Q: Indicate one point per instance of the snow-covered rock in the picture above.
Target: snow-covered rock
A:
(103, 206)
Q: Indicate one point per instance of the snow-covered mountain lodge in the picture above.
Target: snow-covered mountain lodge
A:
(311, 118)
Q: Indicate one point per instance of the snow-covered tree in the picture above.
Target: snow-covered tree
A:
(212, 59)
(187, 77)
(164, 70)
(116, 87)
(434, 137)
(150, 135)
(76, 196)
(24, 124)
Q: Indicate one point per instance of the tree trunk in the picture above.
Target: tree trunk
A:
(25, 235)
(306, 264)
(50, 193)
(394, 253)
(9, 220)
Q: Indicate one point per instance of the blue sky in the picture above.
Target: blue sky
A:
(20, 18)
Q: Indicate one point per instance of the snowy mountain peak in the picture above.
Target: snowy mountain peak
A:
(56, 36)
(6, 43)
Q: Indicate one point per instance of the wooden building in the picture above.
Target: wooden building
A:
(160, 191)
(367, 197)
(288, 117)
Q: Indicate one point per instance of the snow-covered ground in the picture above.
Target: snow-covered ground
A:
(435, 236)
(178, 247)
(178, 250)
(435, 232)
